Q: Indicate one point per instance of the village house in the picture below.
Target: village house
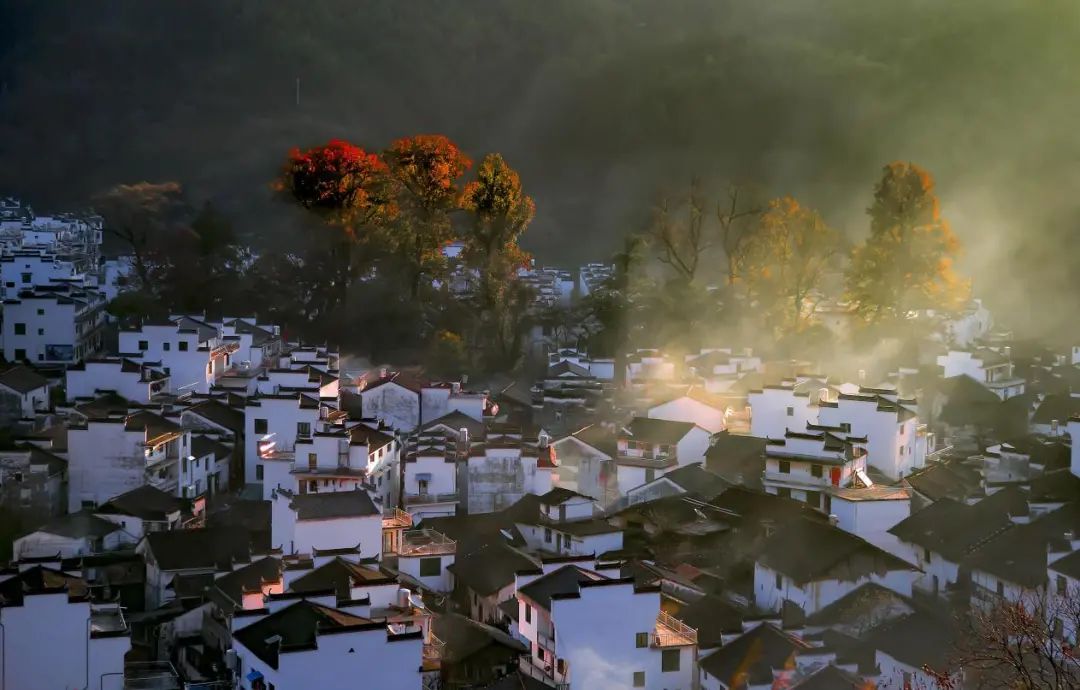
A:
(994, 370)
(112, 452)
(648, 448)
(804, 466)
(567, 618)
(24, 393)
(507, 465)
(587, 461)
(71, 535)
(311, 644)
(33, 483)
(302, 522)
(191, 351)
(406, 403)
(567, 523)
(718, 369)
(651, 369)
(137, 381)
(56, 636)
(26, 269)
(810, 565)
(56, 324)
(430, 477)
(174, 557)
(895, 443)
(789, 406)
(272, 425)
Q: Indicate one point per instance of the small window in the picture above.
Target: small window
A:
(669, 660)
(20, 329)
(547, 535)
(27, 278)
(639, 679)
(560, 665)
(182, 345)
(41, 331)
(430, 567)
(10, 284)
(20, 354)
(528, 613)
(144, 345)
(816, 471)
(813, 499)
(312, 461)
(926, 554)
(785, 467)
(258, 473)
(779, 581)
(901, 451)
(1000, 588)
(260, 426)
(641, 640)
(166, 346)
(303, 428)
(41, 312)
(791, 412)
(783, 492)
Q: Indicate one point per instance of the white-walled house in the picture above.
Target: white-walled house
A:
(893, 443)
(111, 454)
(994, 370)
(776, 409)
(26, 269)
(812, 564)
(72, 535)
(314, 645)
(592, 631)
(568, 524)
(505, 467)
(57, 324)
(137, 381)
(690, 407)
(720, 368)
(430, 478)
(870, 513)
(406, 403)
(804, 466)
(273, 423)
(648, 448)
(305, 522)
(191, 351)
(23, 389)
(54, 636)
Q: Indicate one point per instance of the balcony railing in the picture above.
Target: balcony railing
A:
(434, 649)
(426, 542)
(672, 632)
(545, 641)
(425, 498)
(396, 518)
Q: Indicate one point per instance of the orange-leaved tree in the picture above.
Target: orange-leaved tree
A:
(907, 262)
(426, 170)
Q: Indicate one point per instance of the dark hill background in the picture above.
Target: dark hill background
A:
(599, 103)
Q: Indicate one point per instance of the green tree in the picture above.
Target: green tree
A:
(907, 261)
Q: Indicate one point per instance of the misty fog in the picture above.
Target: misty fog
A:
(600, 104)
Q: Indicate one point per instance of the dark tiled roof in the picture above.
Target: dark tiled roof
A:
(568, 367)
(947, 479)
(953, 529)
(464, 637)
(806, 551)
(598, 437)
(560, 495)
(916, 640)
(751, 658)
(731, 455)
(297, 626)
(39, 579)
(231, 587)
(659, 431)
(361, 434)
(22, 379)
(869, 601)
(565, 580)
(491, 567)
(104, 406)
(697, 481)
(79, 525)
(220, 414)
(336, 504)
(457, 420)
(830, 678)
(1060, 407)
(201, 446)
(154, 425)
(339, 575)
(145, 502)
(210, 547)
(713, 617)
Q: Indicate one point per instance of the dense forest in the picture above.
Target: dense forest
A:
(599, 104)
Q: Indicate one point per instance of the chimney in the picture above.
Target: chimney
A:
(1054, 427)
(823, 395)
(383, 373)
(834, 520)
(463, 439)
(1069, 535)
(544, 439)
(455, 387)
